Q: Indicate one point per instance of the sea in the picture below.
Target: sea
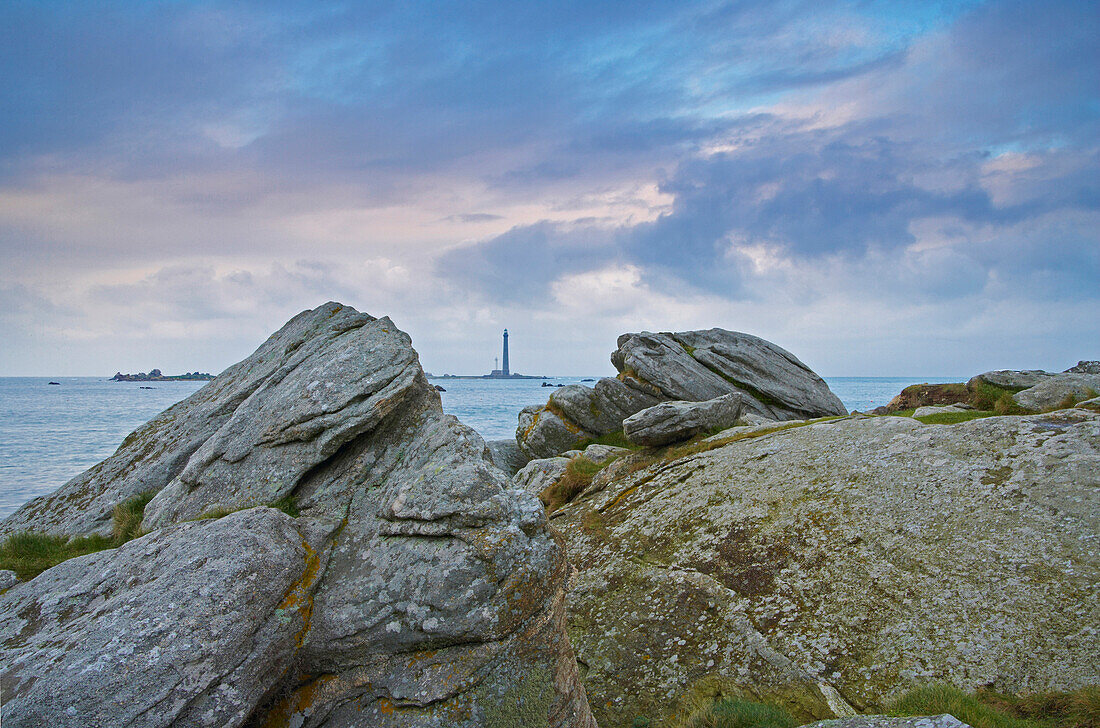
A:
(51, 432)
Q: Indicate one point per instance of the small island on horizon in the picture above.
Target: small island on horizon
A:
(155, 375)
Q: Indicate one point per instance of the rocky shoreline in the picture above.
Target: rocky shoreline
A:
(309, 541)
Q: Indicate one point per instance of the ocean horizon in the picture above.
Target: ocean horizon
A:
(51, 433)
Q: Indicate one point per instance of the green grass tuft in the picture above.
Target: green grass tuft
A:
(614, 439)
(28, 554)
(952, 418)
(729, 713)
(938, 699)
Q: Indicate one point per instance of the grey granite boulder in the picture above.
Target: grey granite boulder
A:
(702, 365)
(434, 598)
(1058, 391)
(872, 555)
(673, 421)
(507, 456)
(543, 432)
(1010, 379)
(8, 579)
(887, 721)
(186, 626)
(312, 386)
(600, 454)
(538, 475)
(927, 410)
(691, 366)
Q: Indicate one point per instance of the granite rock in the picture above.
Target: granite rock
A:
(871, 555)
(693, 366)
(8, 579)
(1058, 391)
(887, 721)
(507, 456)
(538, 475)
(415, 588)
(673, 421)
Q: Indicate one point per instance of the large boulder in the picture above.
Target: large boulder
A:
(861, 556)
(1060, 390)
(182, 627)
(673, 421)
(693, 366)
(433, 596)
(702, 365)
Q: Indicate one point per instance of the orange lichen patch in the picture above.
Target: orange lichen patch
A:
(621, 497)
(296, 703)
(300, 595)
(385, 706)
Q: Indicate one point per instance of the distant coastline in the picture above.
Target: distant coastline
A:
(155, 375)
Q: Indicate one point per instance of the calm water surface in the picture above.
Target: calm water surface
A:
(49, 433)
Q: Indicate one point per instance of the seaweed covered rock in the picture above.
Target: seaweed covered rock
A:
(693, 366)
(419, 589)
(863, 557)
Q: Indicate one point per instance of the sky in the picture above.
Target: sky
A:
(882, 188)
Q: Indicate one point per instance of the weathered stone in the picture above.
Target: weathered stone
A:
(1085, 367)
(1060, 390)
(672, 421)
(691, 366)
(886, 721)
(1009, 379)
(8, 579)
(702, 365)
(873, 555)
(507, 456)
(538, 475)
(186, 626)
(243, 396)
(600, 454)
(439, 601)
(949, 409)
(544, 433)
(1090, 404)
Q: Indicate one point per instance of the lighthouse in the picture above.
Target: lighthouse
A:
(504, 369)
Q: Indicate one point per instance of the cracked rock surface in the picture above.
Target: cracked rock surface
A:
(862, 556)
(415, 588)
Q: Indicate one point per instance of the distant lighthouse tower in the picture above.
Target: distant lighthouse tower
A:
(504, 369)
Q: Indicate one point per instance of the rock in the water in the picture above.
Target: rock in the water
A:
(872, 555)
(1059, 390)
(691, 366)
(507, 456)
(538, 475)
(437, 600)
(673, 421)
(1085, 367)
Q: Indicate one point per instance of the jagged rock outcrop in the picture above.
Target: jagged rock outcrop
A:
(674, 421)
(691, 366)
(1085, 367)
(928, 395)
(424, 591)
(869, 555)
